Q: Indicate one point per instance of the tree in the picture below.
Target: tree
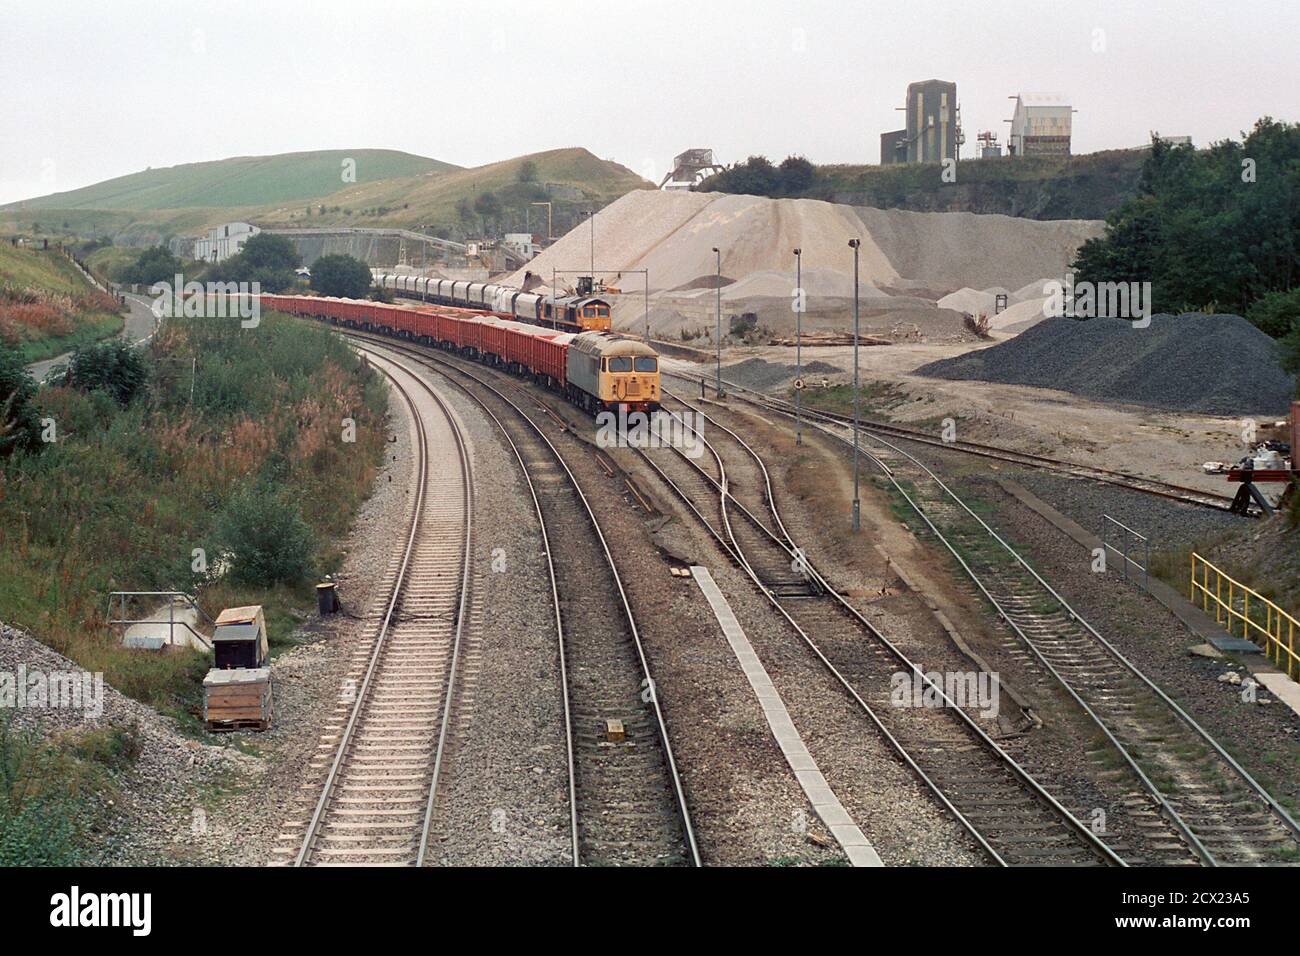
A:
(756, 176)
(262, 531)
(265, 259)
(797, 175)
(488, 207)
(464, 209)
(20, 426)
(527, 171)
(1212, 228)
(342, 276)
(155, 264)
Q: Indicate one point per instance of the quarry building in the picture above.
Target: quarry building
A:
(933, 132)
(1041, 125)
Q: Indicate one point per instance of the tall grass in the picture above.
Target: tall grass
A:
(128, 494)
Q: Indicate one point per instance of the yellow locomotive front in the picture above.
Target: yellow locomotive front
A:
(605, 372)
(629, 376)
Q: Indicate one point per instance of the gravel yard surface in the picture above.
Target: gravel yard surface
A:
(1167, 523)
(1263, 736)
(1061, 748)
(158, 811)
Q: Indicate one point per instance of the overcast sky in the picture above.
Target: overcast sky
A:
(91, 90)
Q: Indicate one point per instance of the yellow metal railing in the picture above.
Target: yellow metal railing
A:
(1261, 620)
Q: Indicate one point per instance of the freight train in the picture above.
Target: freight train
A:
(583, 312)
(595, 370)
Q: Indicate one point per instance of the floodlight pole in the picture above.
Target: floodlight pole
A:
(857, 507)
(718, 282)
(798, 346)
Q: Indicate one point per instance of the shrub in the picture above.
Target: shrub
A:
(1276, 313)
(20, 426)
(113, 367)
(263, 534)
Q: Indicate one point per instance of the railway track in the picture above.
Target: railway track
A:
(1013, 819)
(1221, 813)
(1150, 486)
(378, 797)
(627, 802)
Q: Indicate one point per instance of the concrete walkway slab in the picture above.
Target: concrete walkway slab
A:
(825, 804)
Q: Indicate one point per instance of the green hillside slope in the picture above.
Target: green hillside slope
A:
(572, 179)
(240, 181)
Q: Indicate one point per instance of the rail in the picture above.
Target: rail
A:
(1277, 630)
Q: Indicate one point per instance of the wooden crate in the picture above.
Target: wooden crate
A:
(237, 699)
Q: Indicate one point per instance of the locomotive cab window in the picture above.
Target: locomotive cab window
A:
(646, 364)
(620, 365)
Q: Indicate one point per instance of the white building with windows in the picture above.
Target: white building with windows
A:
(224, 241)
(1042, 125)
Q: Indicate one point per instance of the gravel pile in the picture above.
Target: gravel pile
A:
(674, 234)
(1210, 364)
(762, 375)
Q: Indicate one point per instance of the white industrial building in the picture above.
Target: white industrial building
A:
(1041, 125)
(523, 243)
(224, 241)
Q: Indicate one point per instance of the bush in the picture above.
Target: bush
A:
(1276, 313)
(113, 367)
(265, 538)
(20, 426)
(155, 264)
(341, 276)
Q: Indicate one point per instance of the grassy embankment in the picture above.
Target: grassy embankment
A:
(47, 307)
(124, 498)
(127, 493)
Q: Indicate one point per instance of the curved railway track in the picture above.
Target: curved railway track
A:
(1008, 813)
(1151, 486)
(627, 802)
(379, 795)
(1222, 814)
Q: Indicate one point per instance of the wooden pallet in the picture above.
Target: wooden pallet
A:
(226, 726)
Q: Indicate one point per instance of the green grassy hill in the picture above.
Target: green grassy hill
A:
(305, 191)
(569, 178)
(240, 181)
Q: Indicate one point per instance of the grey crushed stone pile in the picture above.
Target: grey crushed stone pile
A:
(1208, 364)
